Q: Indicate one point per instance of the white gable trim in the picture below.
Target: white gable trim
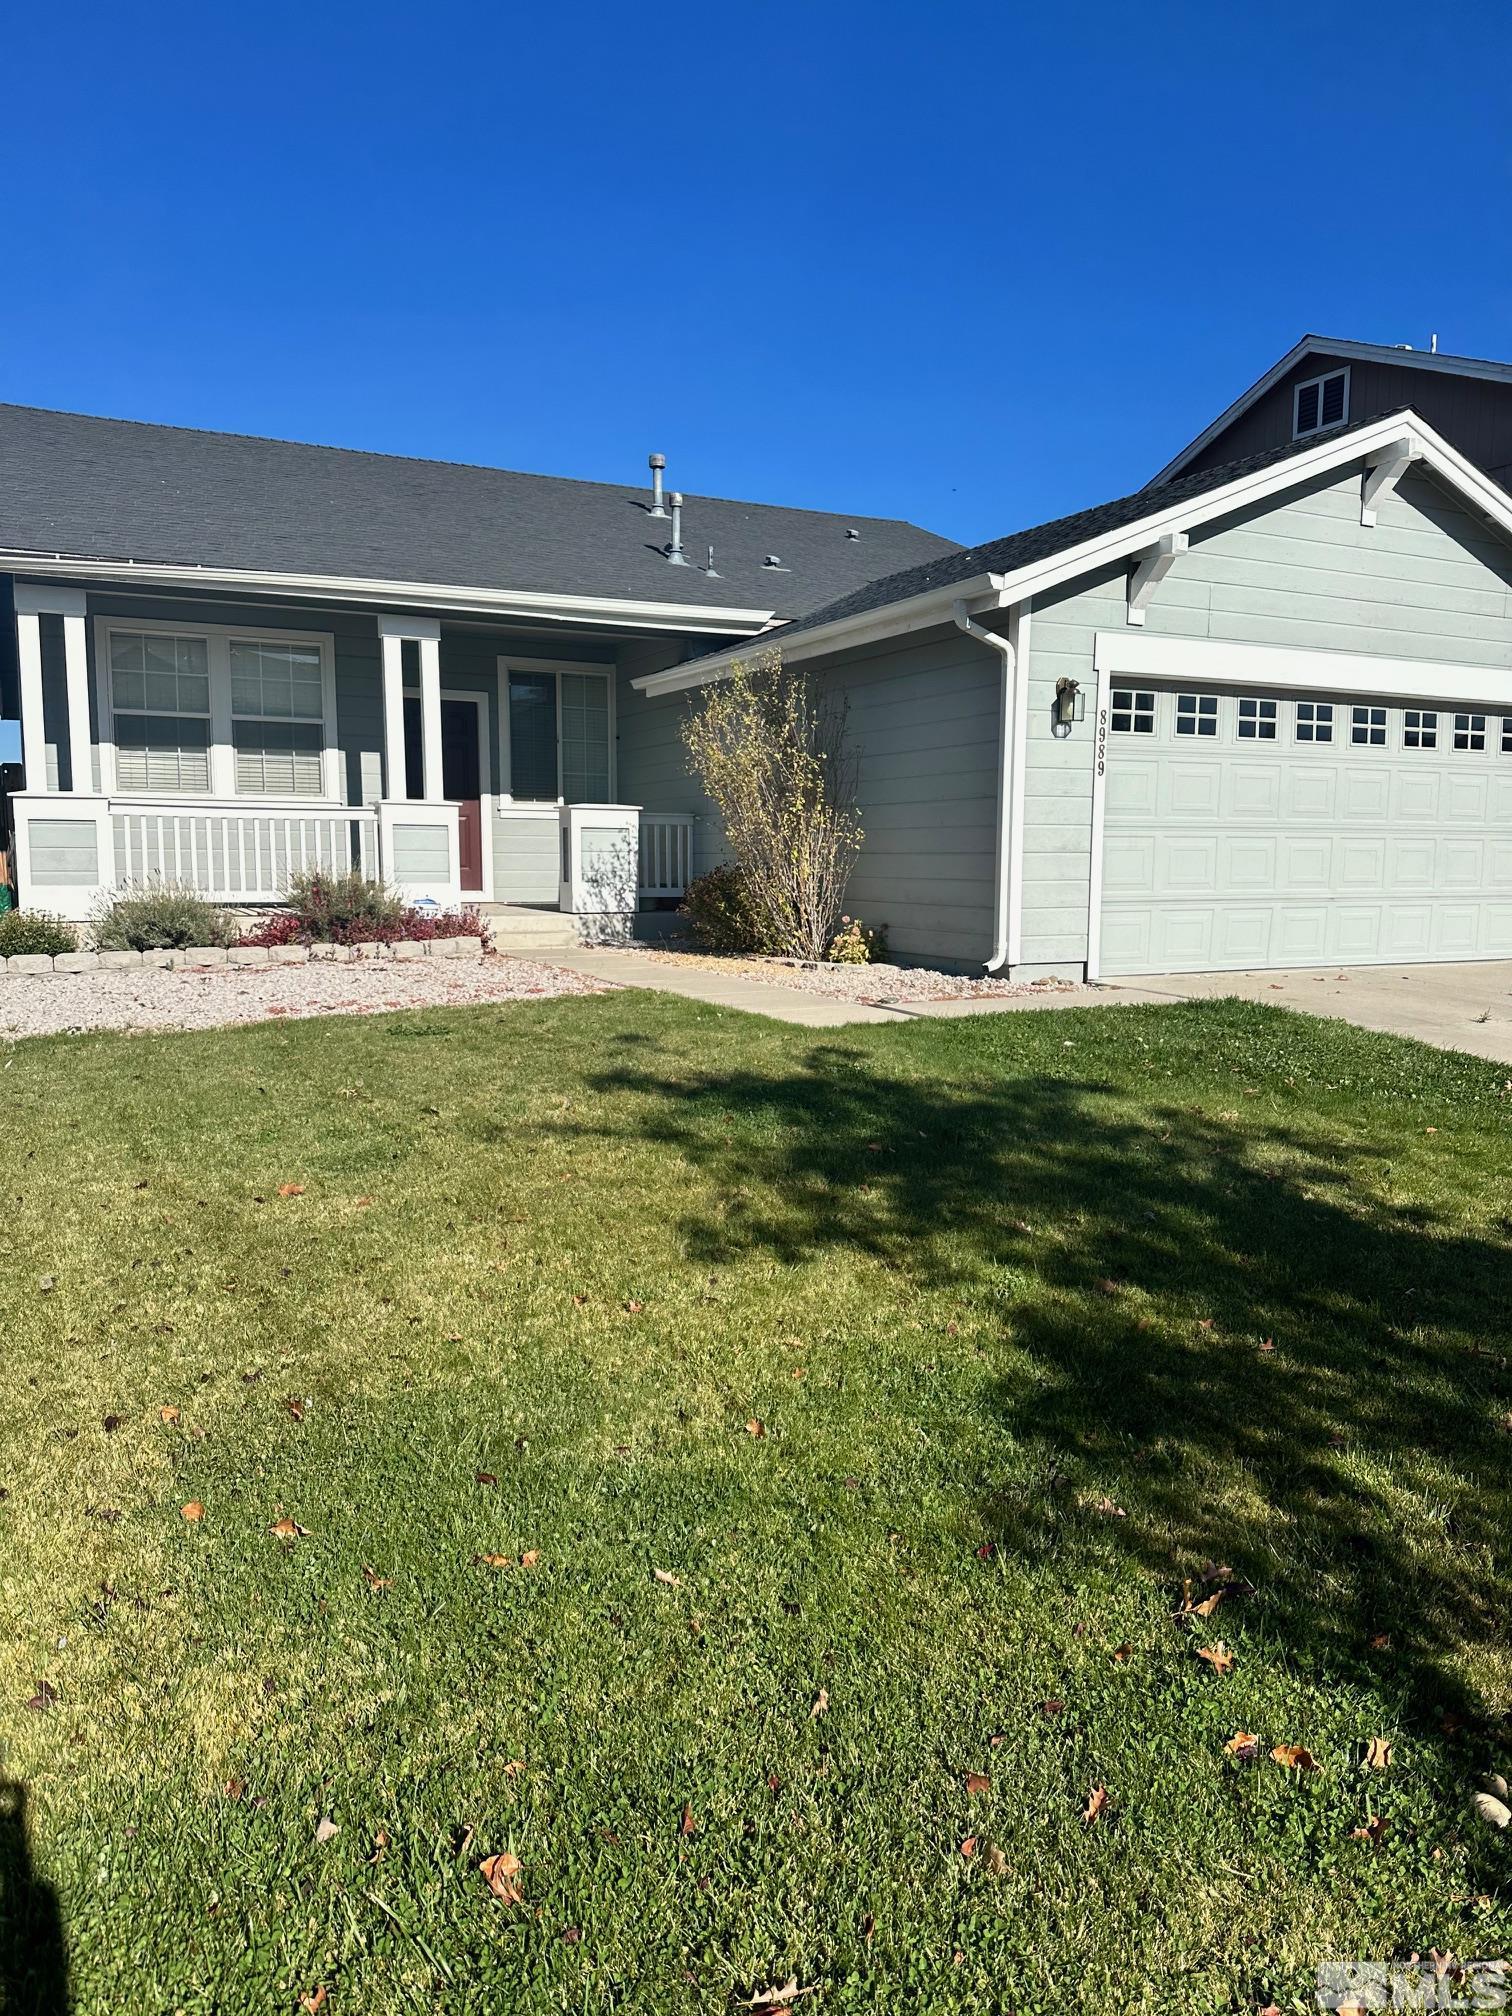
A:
(1321, 346)
(1403, 434)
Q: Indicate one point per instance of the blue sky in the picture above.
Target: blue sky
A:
(974, 265)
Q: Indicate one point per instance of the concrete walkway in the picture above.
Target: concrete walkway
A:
(1454, 1007)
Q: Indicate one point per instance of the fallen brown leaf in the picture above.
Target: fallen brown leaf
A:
(977, 1782)
(1096, 1806)
(291, 1189)
(968, 1846)
(288, 1529)
(1293, 1757)
(1267, 1344)
(1243, 1746)
(233, 1789)
(1377, 1753)
(326, 1829)
(530, 1557)
(1123, 1653)
(499, 1873)
(168, 1416)
(688, 1824)
(43, 1699)
(314, 2003)
(665, 1575)
(634, 1308)
(821, 1704)
(484, 1477)
(1051, 1707)
(494, 1560)
(380, 1845)
(374, 1580)
(755, 1427)
(1374, 1830)
(1217, 1656)
(192, 1511)
(296, 1407)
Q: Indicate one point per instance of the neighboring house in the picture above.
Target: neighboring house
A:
(1259, 714)
(237, 657)
(1327, 382)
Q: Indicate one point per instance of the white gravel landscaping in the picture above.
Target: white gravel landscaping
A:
(879, 982)
(63, 1003)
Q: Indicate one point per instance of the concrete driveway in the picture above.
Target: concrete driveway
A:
(1456, 1007)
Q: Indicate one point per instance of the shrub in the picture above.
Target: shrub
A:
(719, 910)
(769, 748)
(159, 917)
(858, 944)
(354, 910)
(35, 931)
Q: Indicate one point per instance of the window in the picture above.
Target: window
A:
(558, 737)
(1315, 721)
(1257, 720)
(1320, 402)
(1419, 730)
(160, 705)
(1507, 737)
(1469, 731)
(277, 718)
(1367, 727)
(1133, 713)
(1196, 714)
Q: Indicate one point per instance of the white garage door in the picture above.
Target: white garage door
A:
(1248, 829)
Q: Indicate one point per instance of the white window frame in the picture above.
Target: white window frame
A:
(1300, 433)
(1257, 721)
(1313, 740)
(1381, 728)
(1425, 724)
(1469, 747)
(1135, 712)
(1202, 717)
(217, 639)
(1506, 735)
(509, 662)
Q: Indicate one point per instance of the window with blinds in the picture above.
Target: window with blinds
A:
(559, 737)
(277, 718)
(160, 703)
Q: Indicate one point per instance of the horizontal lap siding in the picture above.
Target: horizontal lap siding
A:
(64, 853)
(422, 853)
(652, 764)
(1426, 582)
(526, 858)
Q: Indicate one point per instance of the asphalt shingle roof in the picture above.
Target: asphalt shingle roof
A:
(1039, 542)
(132, 490)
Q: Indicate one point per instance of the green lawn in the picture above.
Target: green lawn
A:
(1037, 1315)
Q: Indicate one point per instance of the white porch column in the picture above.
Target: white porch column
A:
(430, 714)
(34, 600)
(395, 782)
(33, 732)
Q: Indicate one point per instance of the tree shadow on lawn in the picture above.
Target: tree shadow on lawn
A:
(33, 1958)
(1353, 1473)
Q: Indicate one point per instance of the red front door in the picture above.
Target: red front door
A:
(462, 779)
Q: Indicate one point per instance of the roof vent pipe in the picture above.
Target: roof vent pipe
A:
(656, 464)
(711, 570)
(673, 548)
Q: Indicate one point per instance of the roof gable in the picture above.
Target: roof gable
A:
(1344, 350)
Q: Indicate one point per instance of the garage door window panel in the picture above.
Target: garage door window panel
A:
(1257, 720)
(1470, 731)
(1315, 721)
(1367, 727)
(1419, 729)
(1197, 714)
(1132, 713)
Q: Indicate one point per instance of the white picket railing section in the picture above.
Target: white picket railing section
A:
(666, 853)
(241, 856)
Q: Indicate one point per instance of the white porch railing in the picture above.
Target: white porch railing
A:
(666, 853)
(245, 855)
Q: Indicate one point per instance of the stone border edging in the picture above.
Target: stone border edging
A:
(28, 964)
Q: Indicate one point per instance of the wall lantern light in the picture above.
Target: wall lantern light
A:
(1069, 706)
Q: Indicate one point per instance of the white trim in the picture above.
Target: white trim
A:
(1196, 661)
(485, 789)
(391, 673)
(629, 614)
(1019, 627)
(33, 721)
(1099, 814)
(222, 755)
(510, 661)
(410, 629)
(1382, 477)
(46, 598)
(1322, 346)
(989, 591)
(1305, 385)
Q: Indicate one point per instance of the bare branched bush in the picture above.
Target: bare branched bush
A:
(770, 749)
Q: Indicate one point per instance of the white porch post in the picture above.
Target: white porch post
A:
(395, 781)
(417, 836)
(430, 714)
(33, 730)
(76, 667)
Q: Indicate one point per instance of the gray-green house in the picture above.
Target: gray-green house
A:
(1258, 714)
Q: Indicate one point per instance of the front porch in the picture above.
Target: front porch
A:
(226, 750)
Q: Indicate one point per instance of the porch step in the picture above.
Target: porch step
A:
(517, 927)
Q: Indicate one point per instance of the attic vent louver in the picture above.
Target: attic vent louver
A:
(1319, 403)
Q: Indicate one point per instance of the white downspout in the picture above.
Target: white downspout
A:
(1004, 647)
